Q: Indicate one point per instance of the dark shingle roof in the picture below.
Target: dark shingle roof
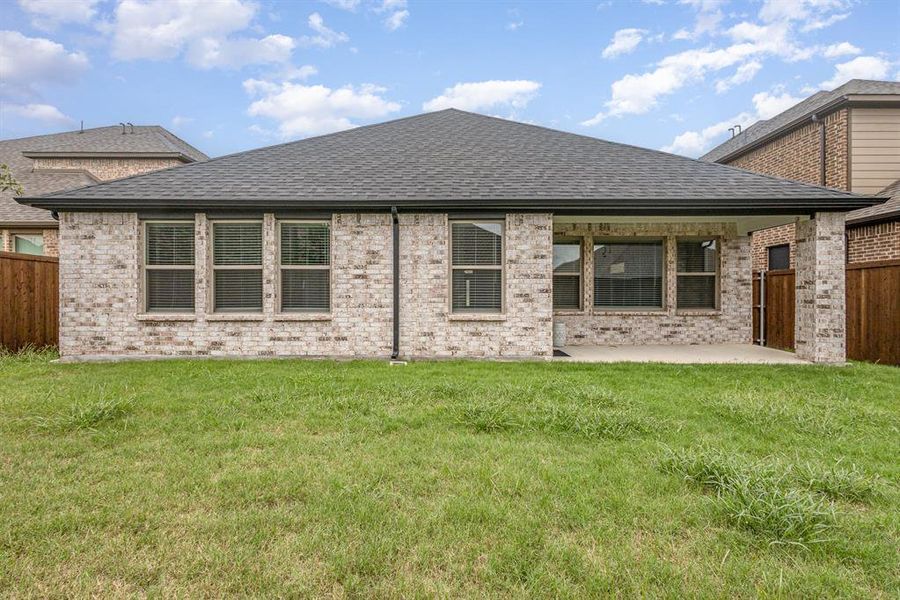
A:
(456, 159)
(890, 209)
(101, 140)
(801, 110)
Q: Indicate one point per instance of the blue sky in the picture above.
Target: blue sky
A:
(229, 75)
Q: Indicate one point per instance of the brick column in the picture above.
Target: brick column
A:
(821, 319)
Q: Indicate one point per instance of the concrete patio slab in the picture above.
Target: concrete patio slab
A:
(692, 354)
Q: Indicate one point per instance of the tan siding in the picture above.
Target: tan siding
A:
(874, 148)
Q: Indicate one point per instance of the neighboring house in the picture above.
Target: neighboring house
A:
(436, 236)
(848, 139)
(64, 161)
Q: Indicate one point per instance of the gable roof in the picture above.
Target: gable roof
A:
(147, 140)
(457, 160)
(879, 212)
(799, 113)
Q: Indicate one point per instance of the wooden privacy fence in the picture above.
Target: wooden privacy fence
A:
(873, 310)
(29, 300)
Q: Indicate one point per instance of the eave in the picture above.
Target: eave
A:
(120, 155)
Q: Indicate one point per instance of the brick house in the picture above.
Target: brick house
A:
(447, 234)
(847, 139)
(64, 161)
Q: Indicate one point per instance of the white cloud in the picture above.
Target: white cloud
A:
(624, 41)
(861, 67)
(234, 53)
(26, 62)
(396, 19)
(842, 49)
(325, 37)
(810, 15)
(38, 112)
(485, 95)
(350, 5)
(709, 15)
(49, 14)
(743, 74)
(178, 121)
(302, 110)
(767, 105)
(816, 24)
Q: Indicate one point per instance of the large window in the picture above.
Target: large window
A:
(698, 266)
(237, 266)
(28, 243)
(305, 251)
(169, 266)
(628, 274)
(567, 273)
(476, 266)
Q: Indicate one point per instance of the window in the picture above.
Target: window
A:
(567, 274)
(169, 266)
(779, 257)
(237, 266)
(28, 243)
(698, 265)
(628, 274)
(305, 266)
(476, 267)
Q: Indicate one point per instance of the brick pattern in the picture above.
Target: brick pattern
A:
(106, 169)
(773, 236)
(51, 239)
(100, 294)
(428, 329)
(796, 155)
(820, 319)
(730, 324)
(867, 243)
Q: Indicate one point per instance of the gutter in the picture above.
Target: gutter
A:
(395, 234)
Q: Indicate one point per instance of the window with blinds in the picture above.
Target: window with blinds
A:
(628, 274)
(698, 267)
(169, 266)
(567, 274)
(305, 249)
(237, 266)
(476, 265)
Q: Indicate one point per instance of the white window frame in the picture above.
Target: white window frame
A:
(214, 267)
(147, 267)
(642, 239)
(19, 233)
(282, 267)
(501, 266)
(716, 272)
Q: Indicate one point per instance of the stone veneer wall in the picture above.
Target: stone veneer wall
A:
(100, 295)
(427, 329)
(730, 324)
(105, 169)
(819, 331)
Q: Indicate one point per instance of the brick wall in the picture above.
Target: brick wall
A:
(100, 293)
(773, 236)
(105, 169)
(819, 329)
(51, 239)
(880, 241)
(730, 324)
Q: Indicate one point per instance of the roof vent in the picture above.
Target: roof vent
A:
(131, 125)
(123, 128)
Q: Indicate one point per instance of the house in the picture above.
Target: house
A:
(447, 234)
(63, 161)
(847, 139)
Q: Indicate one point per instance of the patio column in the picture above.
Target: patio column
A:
(820, 317)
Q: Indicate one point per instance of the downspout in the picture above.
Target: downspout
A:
(395, 234)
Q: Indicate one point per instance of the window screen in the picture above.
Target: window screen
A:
(697, 271)
(305, 266)
(567, 274)
(779, 257)
(28, 243)
(169, 266)
(476, 266)
(628, 274)
(237, 267)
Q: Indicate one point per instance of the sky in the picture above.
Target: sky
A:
(230, 75)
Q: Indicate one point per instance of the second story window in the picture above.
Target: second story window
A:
(237, 266)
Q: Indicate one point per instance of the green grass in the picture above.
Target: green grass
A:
(357, 479)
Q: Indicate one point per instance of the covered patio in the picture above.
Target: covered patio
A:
(704, 354)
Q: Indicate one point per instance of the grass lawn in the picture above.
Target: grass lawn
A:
(305, 478)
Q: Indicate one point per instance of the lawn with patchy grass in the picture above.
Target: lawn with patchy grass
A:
(319, 478)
